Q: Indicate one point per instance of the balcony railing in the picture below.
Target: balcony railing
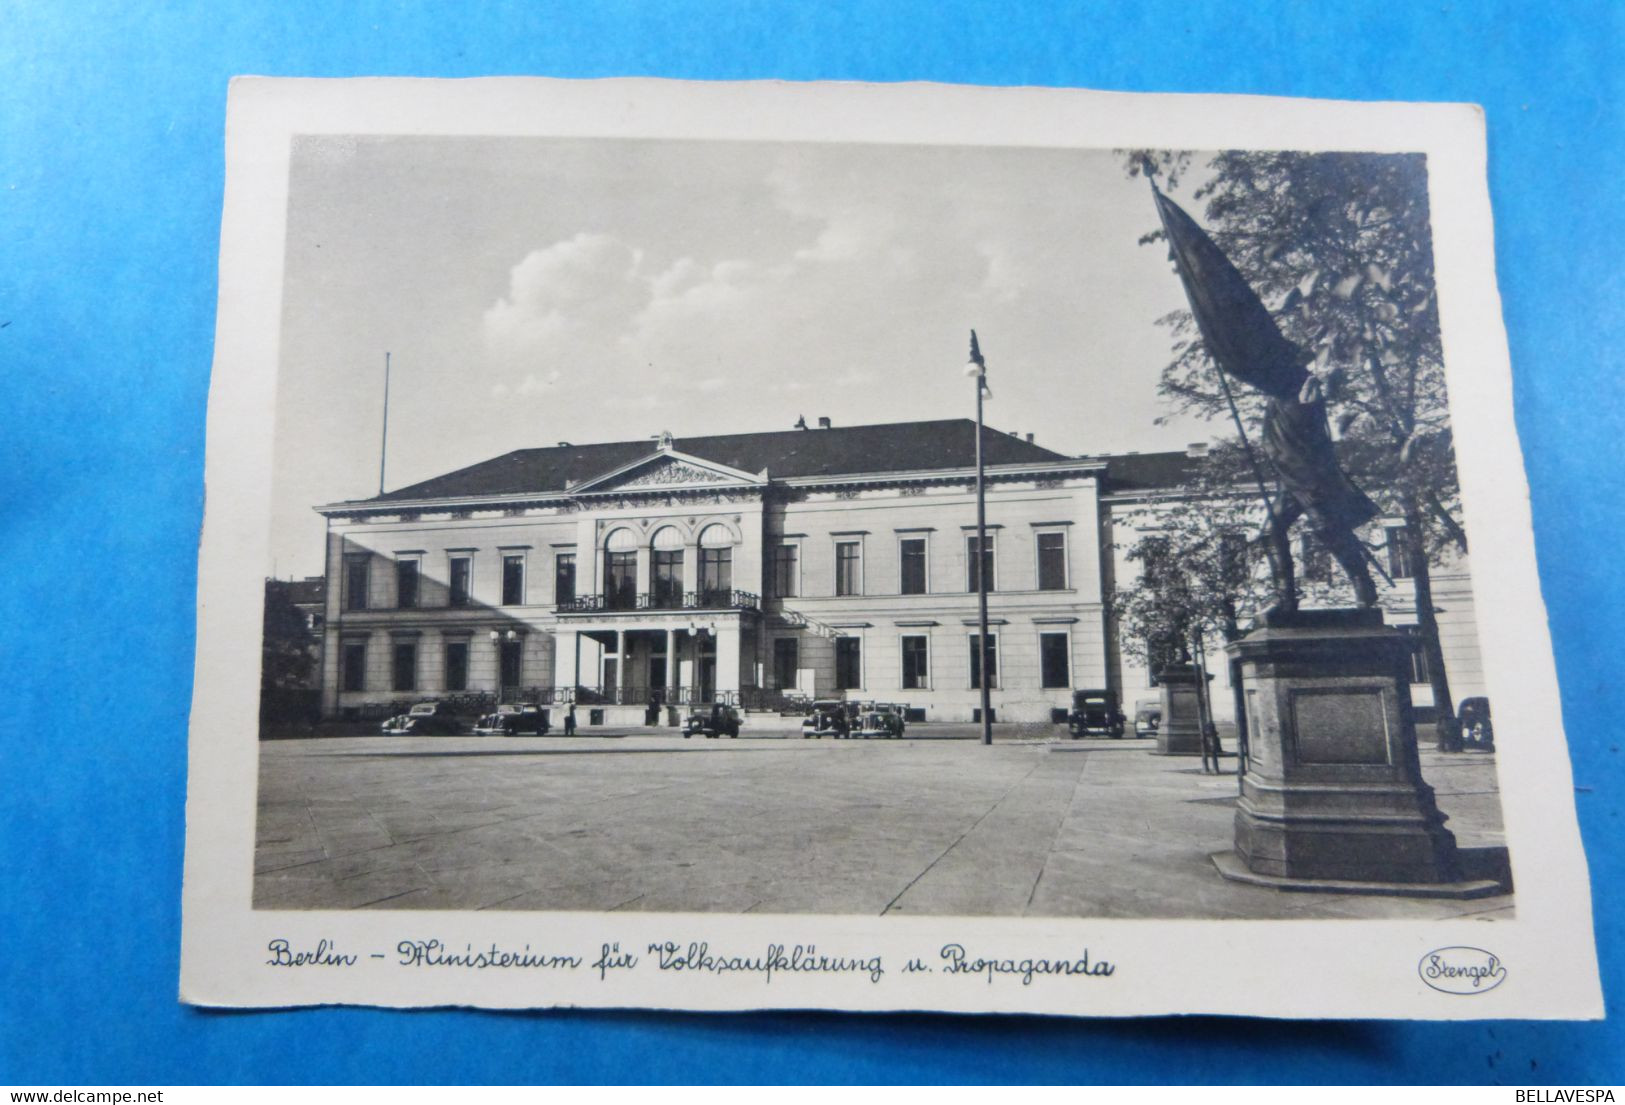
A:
(709, 599)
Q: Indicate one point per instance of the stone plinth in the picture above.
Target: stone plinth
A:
(1180, 732)
(1333, 788)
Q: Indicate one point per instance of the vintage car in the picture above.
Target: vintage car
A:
(1095, 713)
(881, 721)
(1147, 717)
(1476, 728)
(513, 719)
(426, 719)
(827, 718)
(718, 721)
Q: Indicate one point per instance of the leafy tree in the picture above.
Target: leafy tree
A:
(287, 654)
(1340, 245)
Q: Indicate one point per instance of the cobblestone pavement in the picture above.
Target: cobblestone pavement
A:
(656, 822)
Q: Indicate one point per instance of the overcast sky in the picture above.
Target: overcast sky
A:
(538, 290)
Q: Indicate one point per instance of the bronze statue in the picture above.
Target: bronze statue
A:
(1245, 343)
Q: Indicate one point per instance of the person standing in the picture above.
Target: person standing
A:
(570, 721)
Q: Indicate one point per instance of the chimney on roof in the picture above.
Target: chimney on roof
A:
(823, 422)
(564, 445)
(1029, 439)
(1196, 450)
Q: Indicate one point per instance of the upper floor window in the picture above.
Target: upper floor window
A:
(716, 560)
(357, 575)
(462, 577)
(406, 583)
(984, 562)
(786, 570)
(621, 570)
(911, 554)
(513, 579)
(1399, 552)
(666, 574)
(1052, 561)
(564, 577)
(848, 568)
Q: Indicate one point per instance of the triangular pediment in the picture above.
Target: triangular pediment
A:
(666, 470)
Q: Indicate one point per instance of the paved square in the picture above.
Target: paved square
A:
(659, 823)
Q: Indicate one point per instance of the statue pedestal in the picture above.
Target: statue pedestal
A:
(1180, 731)
(1333, 797)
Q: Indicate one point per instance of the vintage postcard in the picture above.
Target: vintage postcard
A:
(726, 546)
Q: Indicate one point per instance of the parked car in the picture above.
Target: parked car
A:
(1147, 717)
(426, 719)
(879, 722)
(1095, 713)
(1474, 717)
(513, 719)
(718, 721)
(827, 718)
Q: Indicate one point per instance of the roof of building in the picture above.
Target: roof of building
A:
(1130, 472)
(308, 591)
(784, 454)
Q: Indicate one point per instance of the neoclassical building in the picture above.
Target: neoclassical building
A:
(830, 562)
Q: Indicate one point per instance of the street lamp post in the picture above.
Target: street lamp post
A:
(976, 368)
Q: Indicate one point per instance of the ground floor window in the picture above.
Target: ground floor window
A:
(1419, 656)
(976, 661)
(848, 663)
(1053, 660)
(916, 662)
(354, 663)
(511, 653)
(405, 666)
(786, 659)
(457, 665)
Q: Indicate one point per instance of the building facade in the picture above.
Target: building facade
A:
(636, 578)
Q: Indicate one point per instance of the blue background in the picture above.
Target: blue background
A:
(111, 123)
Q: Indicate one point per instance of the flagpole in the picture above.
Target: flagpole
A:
(383, 446)
(981, 549)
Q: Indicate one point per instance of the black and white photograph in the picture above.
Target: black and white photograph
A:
(917, 532)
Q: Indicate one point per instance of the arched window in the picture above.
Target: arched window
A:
(621, 570)
(666, 576)
(716, 565)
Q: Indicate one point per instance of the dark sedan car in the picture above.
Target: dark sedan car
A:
(1095, 713)
(426, 719)
(719, 721)
(514, 720)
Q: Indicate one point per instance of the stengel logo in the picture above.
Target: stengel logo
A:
(1461, 970)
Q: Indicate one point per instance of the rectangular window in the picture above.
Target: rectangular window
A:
(786, 659)
(1054, 666)
(1419, 657)
(911, 551)
(406, 584)
(848, 568)
(1052, 561)
(462, 574)
(667, 578)
(992, 662)
(848, 663)
(985, 560)
(512, 653)
(354, 676)
(456, 665)
(786, 562)
(916, 663)
(513, 579)
(564, 577)
(405, 666)
(716, 573)
(1399, 553)
(356, 576)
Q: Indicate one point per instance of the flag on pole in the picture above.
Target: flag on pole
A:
(1237, 329)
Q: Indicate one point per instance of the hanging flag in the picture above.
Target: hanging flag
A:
(1239, 333)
